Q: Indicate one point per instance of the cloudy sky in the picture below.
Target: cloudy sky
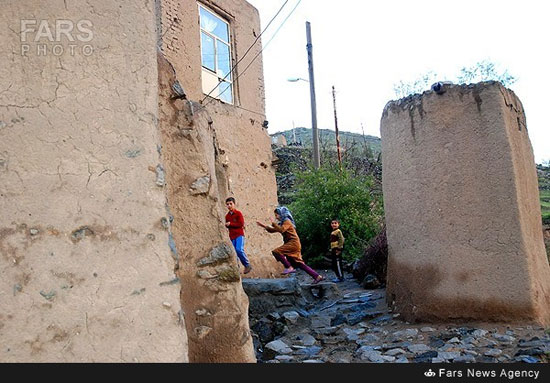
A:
(363, 48)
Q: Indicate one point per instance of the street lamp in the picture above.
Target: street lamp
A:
(296, 79)
(314, 131)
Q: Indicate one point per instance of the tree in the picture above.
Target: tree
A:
(328, 193)
(404, 89)
(484, 70)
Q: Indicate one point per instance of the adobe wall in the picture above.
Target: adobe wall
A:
(214, 302)
(244, 145)
(86, 270)
(462, 208)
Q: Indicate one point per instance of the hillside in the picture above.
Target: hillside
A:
(327, 139)
(544, 190)
(294, 159)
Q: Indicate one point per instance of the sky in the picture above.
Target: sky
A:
(364, 48)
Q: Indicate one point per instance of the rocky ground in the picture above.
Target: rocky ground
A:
(293, 321)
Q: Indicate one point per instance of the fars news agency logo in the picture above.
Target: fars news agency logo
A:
(58, 37)
(429, 373)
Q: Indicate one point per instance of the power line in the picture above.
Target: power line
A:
(271, 39)
(258, 54)
(248, 110)
(248, 50)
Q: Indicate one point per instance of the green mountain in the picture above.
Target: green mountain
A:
(544, 192)
(327, 139)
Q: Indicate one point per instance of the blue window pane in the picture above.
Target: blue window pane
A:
(208, 52)
(224, 60)
(213, 24)
(226, 92)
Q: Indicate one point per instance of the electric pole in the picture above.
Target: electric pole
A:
(336, 128)
(314, 131)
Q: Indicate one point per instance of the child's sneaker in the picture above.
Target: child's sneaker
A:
(247, 269)
(288, 271)
(338, 280)
(318, 279)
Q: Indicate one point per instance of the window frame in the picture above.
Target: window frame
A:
(229, 79)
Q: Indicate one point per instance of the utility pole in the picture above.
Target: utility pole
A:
(336, 128)
(364, 139)
(314, 131)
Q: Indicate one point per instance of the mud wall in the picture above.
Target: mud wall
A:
(87, 274)
(462, 208)
(215, 305)
(243, 145)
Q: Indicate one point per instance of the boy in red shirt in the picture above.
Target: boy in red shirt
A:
(234, 221)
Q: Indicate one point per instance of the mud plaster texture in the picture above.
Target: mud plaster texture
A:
(462, 208)
(242, 145)
(86, 271)
(213, 300)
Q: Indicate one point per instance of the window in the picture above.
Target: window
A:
(216, 56)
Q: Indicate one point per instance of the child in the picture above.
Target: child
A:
(289, 254)
(234, 221)
(336, 248)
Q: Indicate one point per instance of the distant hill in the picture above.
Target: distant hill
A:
(327, 139)
(544, 192)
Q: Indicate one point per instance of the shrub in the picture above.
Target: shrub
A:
(328, 193)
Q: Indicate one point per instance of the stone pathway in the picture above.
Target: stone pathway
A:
(293, 321)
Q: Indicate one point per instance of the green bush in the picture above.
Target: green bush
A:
(328, 193)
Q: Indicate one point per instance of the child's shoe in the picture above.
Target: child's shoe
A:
(318, 279)
(288, 271)
(247, 269)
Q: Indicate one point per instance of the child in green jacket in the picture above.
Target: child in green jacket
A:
(336, 248)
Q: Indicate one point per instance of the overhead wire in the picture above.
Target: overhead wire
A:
(255, 57)
(248, 50)
(270, 40)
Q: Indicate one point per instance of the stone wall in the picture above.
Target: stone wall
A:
(86, 271)
(462, 209)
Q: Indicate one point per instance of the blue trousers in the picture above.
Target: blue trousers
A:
(238, 244)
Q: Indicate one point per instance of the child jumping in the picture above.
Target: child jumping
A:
(289, 254)
(336, 248)
(234, 221)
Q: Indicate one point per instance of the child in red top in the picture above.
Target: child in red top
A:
(234, 221)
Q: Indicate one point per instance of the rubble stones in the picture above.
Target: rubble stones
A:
(278, 347)
(446, 355)
(352, 334)
(418, 348)
(306, 333)
(425, 357)
(291, 316)
(504, 338)
(479, 333)
(404, 334)
(306, 339)
(395, 351)
(371, 282)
